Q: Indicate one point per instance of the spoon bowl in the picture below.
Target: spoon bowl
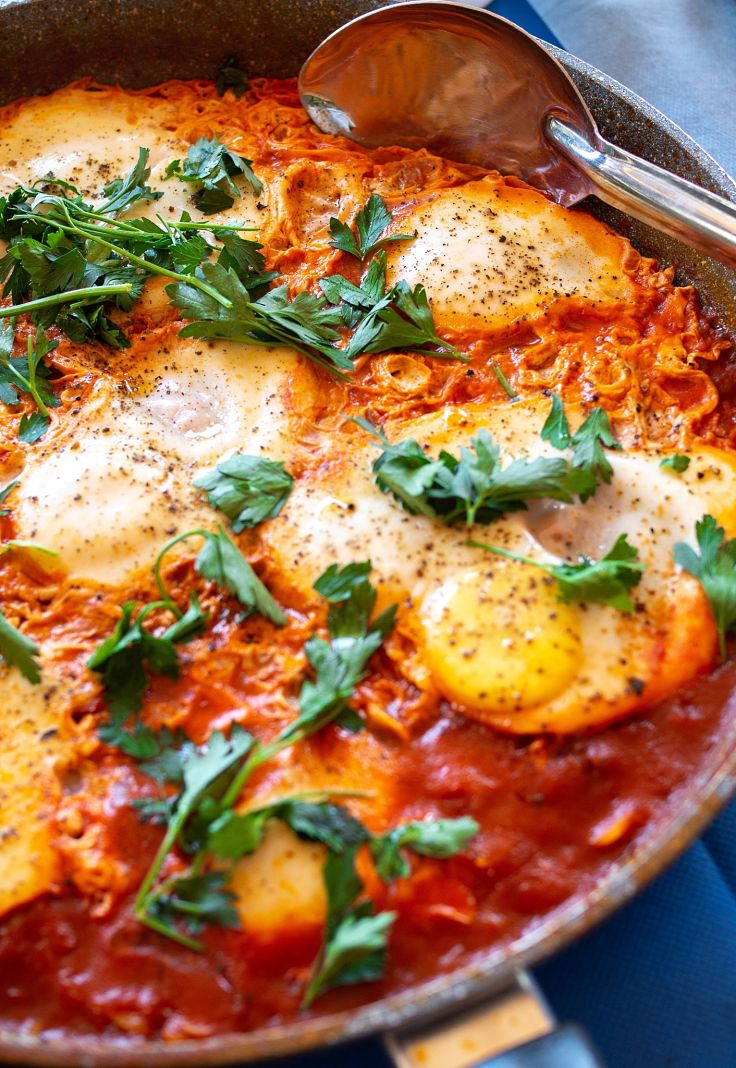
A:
(471, 86)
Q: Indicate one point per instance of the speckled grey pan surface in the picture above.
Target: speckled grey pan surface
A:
(46, 43)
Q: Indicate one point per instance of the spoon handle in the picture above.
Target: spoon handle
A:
(694, 215)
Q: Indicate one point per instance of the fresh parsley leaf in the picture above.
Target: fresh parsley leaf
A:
(51, 267)
(371, 222)
(330, 824)
(209, 770)
(173, 751)
(355, 952)
(83, 324)
(188, 254)
(229, 76)
(407, 323)
(30, 375)
(337, 287)
(339, 583)
(196, 900)
(219, 321)
(556, 429)
(122, 193)
(246, 259)
(715, 568)
(247, 489)
(237, 834)
(125, 658)
(339, 663)
(206, 775)
(32, 427)
(213, 166)
(587, 442)
(473, 488)
(398, 319)
(307, 323)
(677, 462)
(306, 318)
(606, 581)
(5, 493)
(430, 838)
(19, 651)
(220, 560)
(138, 742)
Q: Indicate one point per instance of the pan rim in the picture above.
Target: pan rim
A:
(707, 793)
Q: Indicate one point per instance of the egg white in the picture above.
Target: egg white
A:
(84, 137)
(118, 482)
(591, 663)
(33, 747)
(489, 253)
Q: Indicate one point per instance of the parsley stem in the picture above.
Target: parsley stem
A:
(144, 897)
(68, 297)
(511, 556)
(168, 931)
(231, 228)
(91, 233)
(503, 381)
(258, 755)
(24, 384)
(161, 585)
(32, 387)
(8, 546)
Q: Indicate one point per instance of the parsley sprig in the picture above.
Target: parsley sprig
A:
(29, 374)
(397, 318)
(68, 259)
(607, 581)
(213, 166)
(5, 493)
(714, 565)
(676, 462)
(354, 948)
(247, 489)
(231, 77)
(132, 652)
(381, 319)
(19, 651)
(587, 442)
(201, 820)
(370, 223)
(473, 488)
(306, 323)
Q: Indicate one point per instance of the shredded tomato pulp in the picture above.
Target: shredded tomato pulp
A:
(555, 813)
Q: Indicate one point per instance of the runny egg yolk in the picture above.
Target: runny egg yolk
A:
(499, 639)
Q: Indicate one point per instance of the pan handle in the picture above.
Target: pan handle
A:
(696, 216)
(516, 1030)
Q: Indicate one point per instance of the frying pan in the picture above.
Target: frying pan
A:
(46, 43)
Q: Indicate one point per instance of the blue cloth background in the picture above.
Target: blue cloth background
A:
(656, 985)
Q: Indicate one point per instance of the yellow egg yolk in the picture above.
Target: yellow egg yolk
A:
(499, 639)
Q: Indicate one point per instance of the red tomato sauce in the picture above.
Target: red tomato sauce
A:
(541, 807)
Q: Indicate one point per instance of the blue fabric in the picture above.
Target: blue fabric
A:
(656, 985)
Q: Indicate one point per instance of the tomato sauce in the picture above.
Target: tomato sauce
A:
(556, 814)
(543, 805)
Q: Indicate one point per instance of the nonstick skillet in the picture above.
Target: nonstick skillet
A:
(459, 1019)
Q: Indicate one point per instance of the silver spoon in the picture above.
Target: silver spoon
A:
(473, 87)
